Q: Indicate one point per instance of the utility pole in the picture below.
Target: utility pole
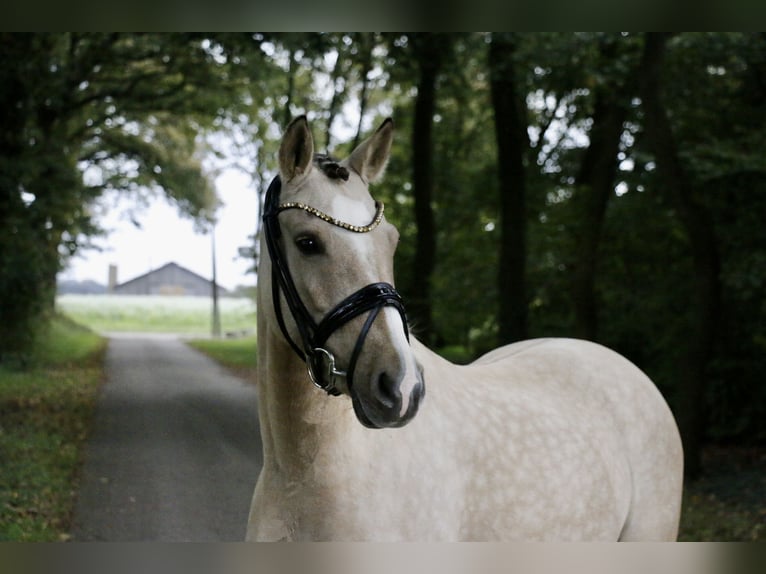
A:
(216, 328)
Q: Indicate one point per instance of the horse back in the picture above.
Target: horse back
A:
(549, 394)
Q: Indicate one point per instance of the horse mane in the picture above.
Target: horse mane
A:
(330, 166)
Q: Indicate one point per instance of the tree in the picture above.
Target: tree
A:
(429, 52)
(702, 95)
(512, 143)
(703, 245)
(595, 178)
(464, 284)
(91, 112)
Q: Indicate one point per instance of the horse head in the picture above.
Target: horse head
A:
(331, 252)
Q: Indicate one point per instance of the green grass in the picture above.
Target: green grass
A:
(157, 314)
(45, 416)
(238, 355)
(705, 518)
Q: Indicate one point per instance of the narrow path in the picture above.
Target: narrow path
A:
(175, 450)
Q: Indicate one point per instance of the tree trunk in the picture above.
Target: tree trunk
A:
(512, 142)
(594, 187)
(705, 297)
(428, 50)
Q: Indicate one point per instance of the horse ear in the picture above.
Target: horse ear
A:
(370, 157)
(296, 151)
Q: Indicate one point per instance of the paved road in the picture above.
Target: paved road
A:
(175, 451)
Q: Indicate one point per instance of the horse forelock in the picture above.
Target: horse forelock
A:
(330, 167)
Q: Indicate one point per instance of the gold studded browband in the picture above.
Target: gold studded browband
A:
(342, 224)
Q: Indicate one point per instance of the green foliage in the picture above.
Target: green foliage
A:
(25, 288)
(83, 113)
(45, 417)
(737, 395)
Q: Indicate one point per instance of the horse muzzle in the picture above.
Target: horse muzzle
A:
(382, 404)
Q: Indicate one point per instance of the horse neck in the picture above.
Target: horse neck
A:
(297, 419)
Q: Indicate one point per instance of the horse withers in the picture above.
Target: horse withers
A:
(547, 439)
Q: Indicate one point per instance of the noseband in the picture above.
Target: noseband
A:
(372, 298)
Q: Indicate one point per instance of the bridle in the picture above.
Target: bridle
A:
(372, 298)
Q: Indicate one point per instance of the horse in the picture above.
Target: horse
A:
(543, 440)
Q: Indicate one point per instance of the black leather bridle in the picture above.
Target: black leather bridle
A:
(372, 298)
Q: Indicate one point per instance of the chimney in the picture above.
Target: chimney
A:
(112, 278)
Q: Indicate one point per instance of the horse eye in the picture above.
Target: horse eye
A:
(308, 245)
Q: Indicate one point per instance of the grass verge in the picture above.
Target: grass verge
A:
(45, 416)
(237, 355)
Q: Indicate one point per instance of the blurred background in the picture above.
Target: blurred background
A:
(609, 186)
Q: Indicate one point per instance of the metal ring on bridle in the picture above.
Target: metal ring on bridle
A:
(328, 381)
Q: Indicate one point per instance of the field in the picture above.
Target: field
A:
(158, 314)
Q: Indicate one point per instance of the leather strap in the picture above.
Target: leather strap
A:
(371, 298)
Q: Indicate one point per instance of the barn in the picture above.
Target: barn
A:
(170, 279)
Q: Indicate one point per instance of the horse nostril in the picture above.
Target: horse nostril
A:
(387, 390)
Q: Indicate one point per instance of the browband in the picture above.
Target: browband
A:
(338, 223)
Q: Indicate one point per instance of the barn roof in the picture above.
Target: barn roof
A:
(170, 265)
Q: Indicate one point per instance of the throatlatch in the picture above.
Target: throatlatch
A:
(371, 298)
